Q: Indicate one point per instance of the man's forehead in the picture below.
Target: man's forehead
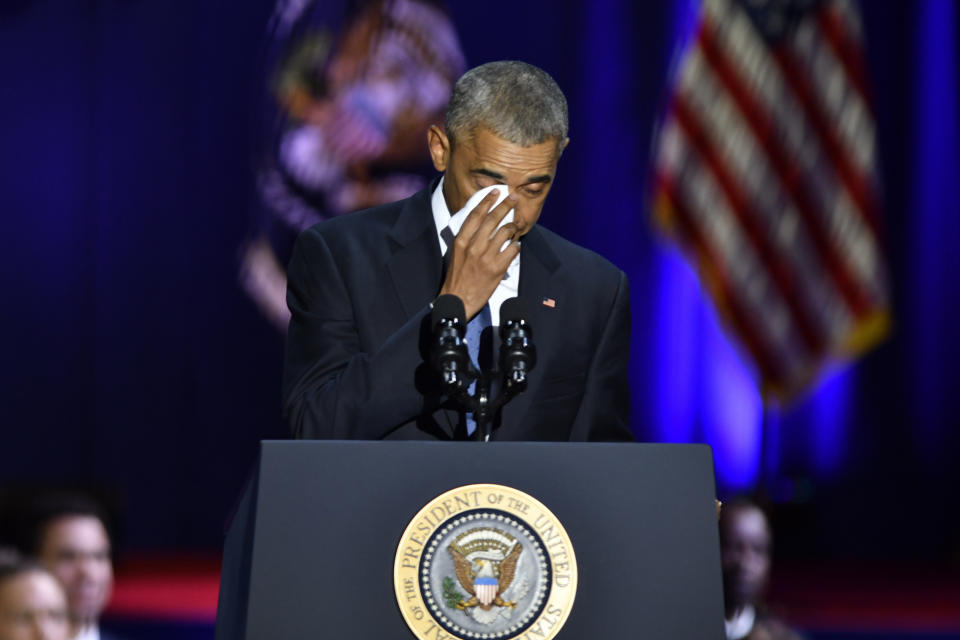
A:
(749, 523)
(76, 530)
(489, 154)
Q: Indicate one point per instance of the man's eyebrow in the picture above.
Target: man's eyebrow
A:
(488, 173)
(545, 178)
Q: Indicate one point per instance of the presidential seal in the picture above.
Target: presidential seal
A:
(487, 562)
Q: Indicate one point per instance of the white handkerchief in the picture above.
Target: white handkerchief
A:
(457, 219)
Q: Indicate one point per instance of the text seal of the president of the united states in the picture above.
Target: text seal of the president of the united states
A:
(485, 562)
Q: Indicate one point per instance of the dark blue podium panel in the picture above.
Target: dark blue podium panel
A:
(310, 552)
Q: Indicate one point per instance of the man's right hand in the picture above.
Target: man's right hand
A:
(477, 265)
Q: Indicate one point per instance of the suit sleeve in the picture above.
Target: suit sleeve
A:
(331, 388)
(604, 413)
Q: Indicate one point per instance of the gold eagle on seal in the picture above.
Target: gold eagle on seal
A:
(485, 561)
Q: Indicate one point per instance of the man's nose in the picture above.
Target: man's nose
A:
(48, 628)
(88, 565)
(41, 630)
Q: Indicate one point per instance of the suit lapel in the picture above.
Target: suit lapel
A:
(415, 263)
(415, 267)
(538, 263)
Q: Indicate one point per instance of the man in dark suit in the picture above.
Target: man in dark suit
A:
(361, 286)
(745, 542)
(68, 535)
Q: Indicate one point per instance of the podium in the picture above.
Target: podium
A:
(310, 551)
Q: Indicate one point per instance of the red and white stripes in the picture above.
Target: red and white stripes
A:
(766, 168)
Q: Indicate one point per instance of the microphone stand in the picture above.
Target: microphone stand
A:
(483, 413)
(481, 404)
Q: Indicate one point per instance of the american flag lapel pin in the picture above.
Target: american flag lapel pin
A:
(549, 302)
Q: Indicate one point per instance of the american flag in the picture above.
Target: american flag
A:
(765, 171)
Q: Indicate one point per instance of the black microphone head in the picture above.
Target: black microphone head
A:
(513, 310)
(448, 306)
(518, 355)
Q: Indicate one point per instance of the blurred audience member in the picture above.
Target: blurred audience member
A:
(32, 603)
(745, 542)
(69, 537)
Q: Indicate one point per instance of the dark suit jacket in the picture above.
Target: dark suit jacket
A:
(360, 288)
(108, 635)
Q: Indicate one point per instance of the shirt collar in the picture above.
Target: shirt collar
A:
(441, 214)
(741, 624)
(91, 632)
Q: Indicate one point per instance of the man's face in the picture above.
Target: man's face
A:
(33, 607)
(484, 159)
(76, 550)
(745, 555)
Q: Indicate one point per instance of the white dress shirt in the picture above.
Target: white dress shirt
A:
(507, 288)
(741, 624)
(88, 633)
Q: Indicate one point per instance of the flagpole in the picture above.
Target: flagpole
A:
(769, 444)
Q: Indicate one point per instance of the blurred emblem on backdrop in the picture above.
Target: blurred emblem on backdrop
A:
(353, 88)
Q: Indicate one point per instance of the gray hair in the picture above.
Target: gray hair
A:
(515, 100)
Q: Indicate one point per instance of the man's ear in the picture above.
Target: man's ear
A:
(439, 146)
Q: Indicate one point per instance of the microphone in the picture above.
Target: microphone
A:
(449, 354)
(517, 353)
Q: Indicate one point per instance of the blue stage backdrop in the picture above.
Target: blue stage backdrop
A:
(132, 359)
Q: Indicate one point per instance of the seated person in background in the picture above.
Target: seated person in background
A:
(69, 537)
(745, 542)
(32, 603)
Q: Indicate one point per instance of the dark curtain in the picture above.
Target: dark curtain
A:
(132, 359)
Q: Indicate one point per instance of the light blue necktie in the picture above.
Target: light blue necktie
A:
(474, 328)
